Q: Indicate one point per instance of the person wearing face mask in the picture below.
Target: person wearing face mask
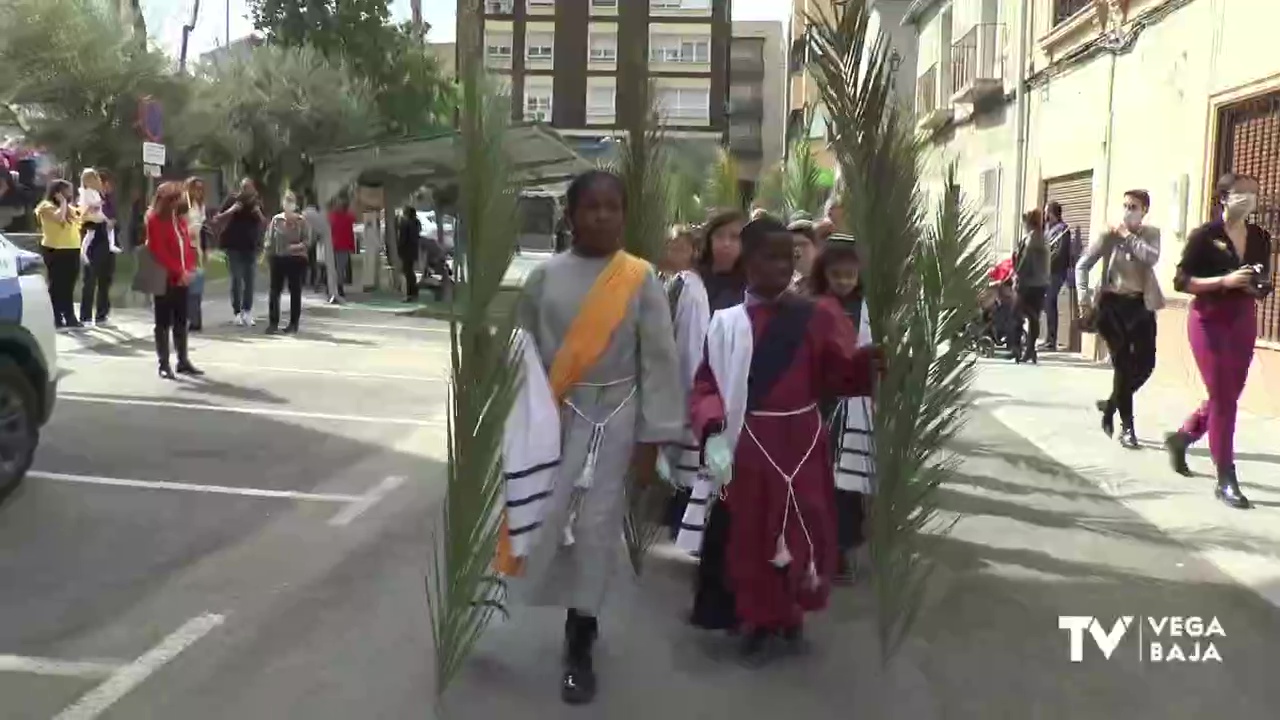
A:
(288, 237)
(1226, 265)
(1124, 309)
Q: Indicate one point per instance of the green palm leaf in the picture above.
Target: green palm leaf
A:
(771, 192)
(803, 189)
(644, 166)
(921, 284)
(723, 191)
(463, 593)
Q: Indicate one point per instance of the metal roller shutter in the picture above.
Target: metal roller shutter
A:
(1249, 143)
(1075, 194)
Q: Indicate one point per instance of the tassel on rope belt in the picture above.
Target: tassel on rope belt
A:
(584, 481)
(782, 556)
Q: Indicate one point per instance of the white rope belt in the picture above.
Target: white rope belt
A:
(782, 557)
(584, 481)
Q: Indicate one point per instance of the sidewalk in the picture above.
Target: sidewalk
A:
(1052, 406)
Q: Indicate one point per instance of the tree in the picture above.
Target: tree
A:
(924, 286)
(803, 189)
(411, 93)
(273, 110)
(78, 97)
(722, 189)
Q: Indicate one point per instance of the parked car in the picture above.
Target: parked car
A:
(28, 360)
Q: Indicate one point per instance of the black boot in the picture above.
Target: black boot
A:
(162, 353)
(755, 649)
(1128, 438)
(1176, 444)
(579, 684)
(184, 361)
(1228, 489)
(1108, 417)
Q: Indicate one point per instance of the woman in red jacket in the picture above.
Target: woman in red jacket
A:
(169, 242)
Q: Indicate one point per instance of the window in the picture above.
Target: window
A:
(604, 47)
(604, 3)
(537, 105)
(1064, 10)
(499, 7)
(680, 4)
(498, 45)
(679, 49)
(539, 46)
(680, 105)
(600, 104)
(542, 3)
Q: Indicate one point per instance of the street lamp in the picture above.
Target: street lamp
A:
(895, 61)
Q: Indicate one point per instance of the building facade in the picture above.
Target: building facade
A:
(1089, 98)
(567, 62)
(805, 112)
(757, 100)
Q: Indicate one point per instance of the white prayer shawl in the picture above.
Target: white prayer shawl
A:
(729, 348)
(530, 448)
(855, 461)
(692, 316)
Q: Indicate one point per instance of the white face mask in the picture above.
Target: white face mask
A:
(1240, 205)
(1133, 218)
(290, 206)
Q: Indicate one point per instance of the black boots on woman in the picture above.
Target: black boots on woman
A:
(579, 684)
(1227, 488)
(184, 366)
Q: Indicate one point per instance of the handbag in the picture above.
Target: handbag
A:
(151, 277)
(1088, 320)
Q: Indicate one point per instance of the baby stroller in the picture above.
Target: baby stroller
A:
(997, 319)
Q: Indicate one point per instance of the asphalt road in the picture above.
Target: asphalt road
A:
(220, 596)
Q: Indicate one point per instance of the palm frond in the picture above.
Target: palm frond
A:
(644, 165)
(922, 282)
(723, 191)
(771, 191)
(803, 190)
(463, 592)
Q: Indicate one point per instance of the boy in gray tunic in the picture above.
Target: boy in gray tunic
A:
(613, 419)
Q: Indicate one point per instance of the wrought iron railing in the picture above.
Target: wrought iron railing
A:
(977, 55)
(1065, 9)
(927, 91)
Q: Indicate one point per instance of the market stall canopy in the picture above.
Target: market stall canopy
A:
(539, 155)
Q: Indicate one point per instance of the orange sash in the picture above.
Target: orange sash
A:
(588, 337)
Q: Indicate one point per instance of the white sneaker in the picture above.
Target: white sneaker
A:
(238, 319)
(248, 319)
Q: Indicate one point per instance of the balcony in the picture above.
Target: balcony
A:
(977, 64)
(1064, 10)
(746, 65)
(745, 142)
(930, 115)
(798, 57)
(499, 7)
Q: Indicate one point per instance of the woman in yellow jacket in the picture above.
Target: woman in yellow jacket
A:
(60, 241)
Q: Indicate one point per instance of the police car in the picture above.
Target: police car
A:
(28, 360)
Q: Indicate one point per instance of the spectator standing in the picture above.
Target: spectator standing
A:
(408, 240)
(60, 243)
(1062, 260)
(241, 220)
(194, 189)
(1031, 281)
(324, 248)
(169, 242)
(342, 226)
(288, 238)
(97, 248)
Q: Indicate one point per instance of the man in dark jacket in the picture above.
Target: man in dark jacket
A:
(241, 223)
(1061, 261)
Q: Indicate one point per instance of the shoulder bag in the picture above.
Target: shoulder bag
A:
(151, 277)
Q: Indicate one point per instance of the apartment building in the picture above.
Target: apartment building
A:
(566, 62)
(1080, 100)
(757, 100)
(803, 94)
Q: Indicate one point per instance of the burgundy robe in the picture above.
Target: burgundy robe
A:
(823, 361)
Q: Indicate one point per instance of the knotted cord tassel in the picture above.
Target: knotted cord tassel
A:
(782, 557)
(575, 504)
(593, 454)
(813, 580)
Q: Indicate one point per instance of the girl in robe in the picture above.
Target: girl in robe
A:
(836, 275)
(755, 405)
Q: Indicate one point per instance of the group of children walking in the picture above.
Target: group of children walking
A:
(747, 387)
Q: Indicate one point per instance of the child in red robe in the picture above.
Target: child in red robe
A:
(768, 364)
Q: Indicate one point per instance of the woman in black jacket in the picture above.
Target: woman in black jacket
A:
(408, 240)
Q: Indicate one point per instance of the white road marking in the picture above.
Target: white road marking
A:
(272, 412)
(193, 487)
(59, 668)
(240, 366)
(366, 501)
(371, 326)
(100, 699)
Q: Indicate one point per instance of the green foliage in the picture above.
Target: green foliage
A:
(922, 283)
(463, 591)
(722, 189)
(803, 190)
(71, 75)
(409, 89)
(771, 191)
(272, 110)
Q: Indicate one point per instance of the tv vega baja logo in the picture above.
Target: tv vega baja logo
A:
(1160, 639)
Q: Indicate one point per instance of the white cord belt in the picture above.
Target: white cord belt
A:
(782, 556)
(596, 440)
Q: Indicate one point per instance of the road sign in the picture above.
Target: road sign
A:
(152, 171)
(153, 153)
(150, 119)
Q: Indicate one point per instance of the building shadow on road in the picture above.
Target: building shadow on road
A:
(210, 386)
